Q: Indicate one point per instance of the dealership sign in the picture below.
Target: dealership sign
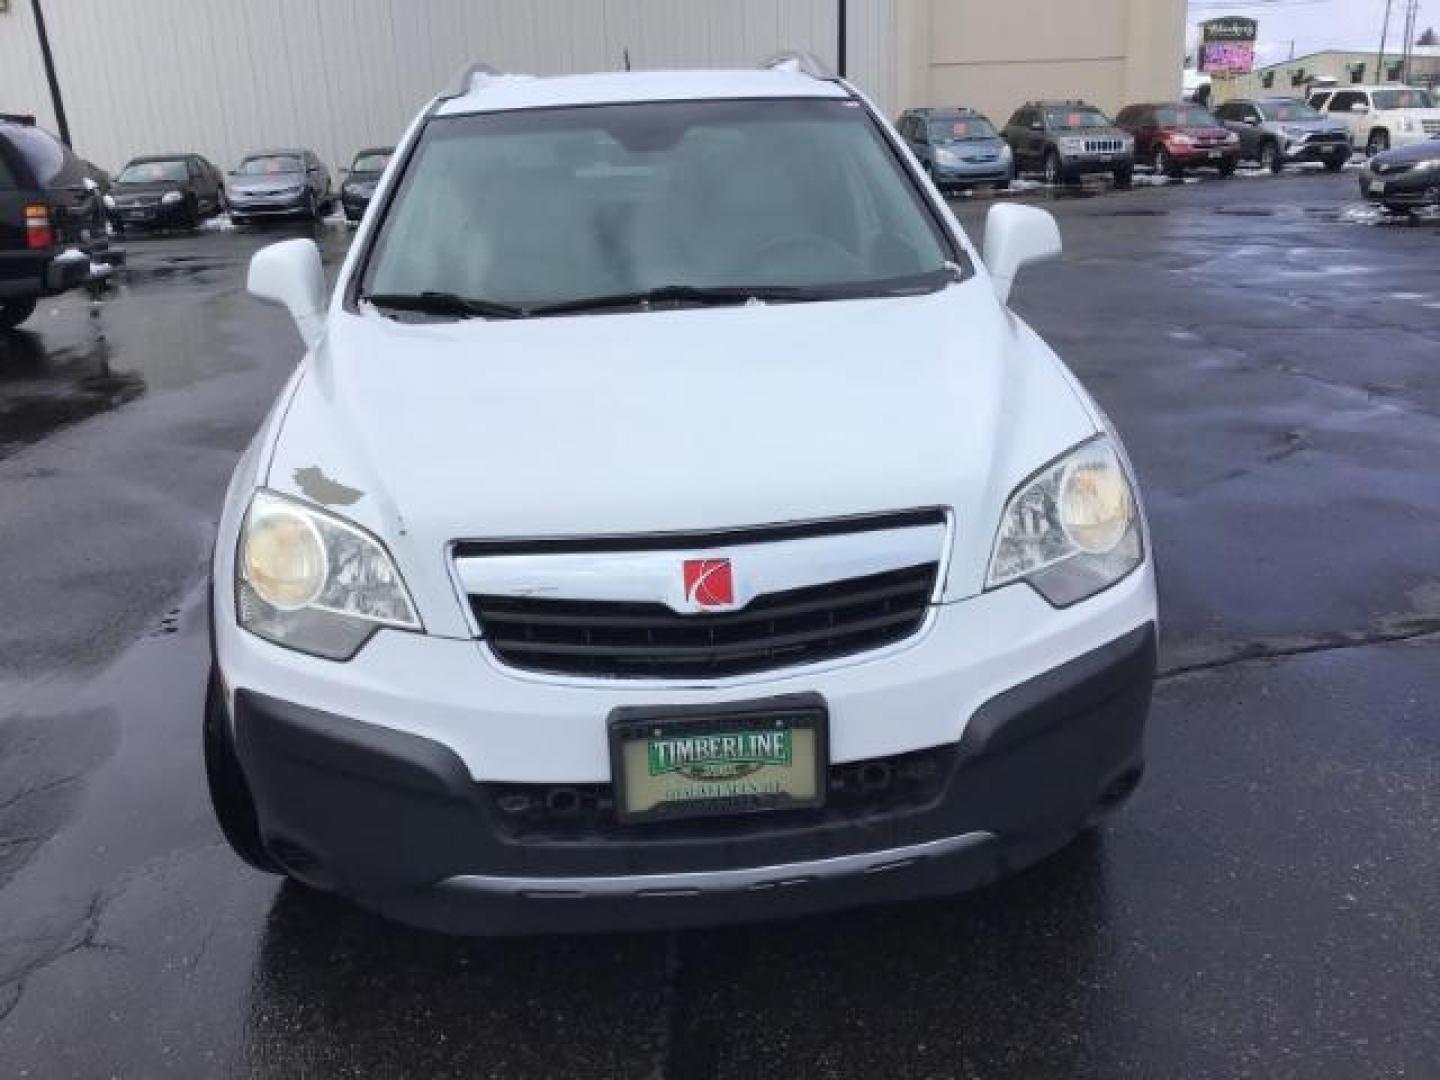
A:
(1227, 46)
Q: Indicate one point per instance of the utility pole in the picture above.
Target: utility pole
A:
(1384, 33)
(841, 36)
(1412, 15)
(55, 101)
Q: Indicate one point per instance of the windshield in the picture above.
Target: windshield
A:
(370, 163)
(1075, 118)
(1285, 111)
(550, 206)
(961, 128)
(270, 165)
(1403, 99)
(153, 172)
(1185, 116)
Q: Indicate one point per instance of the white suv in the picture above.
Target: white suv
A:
(1380, 117)
(669, 524)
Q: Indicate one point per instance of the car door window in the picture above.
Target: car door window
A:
(1317, 101)
(43, 153)
(7, 177)
(1344, 102)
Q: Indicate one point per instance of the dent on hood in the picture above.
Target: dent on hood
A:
(322, 489)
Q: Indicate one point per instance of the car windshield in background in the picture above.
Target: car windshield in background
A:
(1076, 118)
(270, 165)
(1287, 111)
(960, 129)
(1187, 117)
(1404, 98)
(370, 163)
(541, 207)
(153, 172)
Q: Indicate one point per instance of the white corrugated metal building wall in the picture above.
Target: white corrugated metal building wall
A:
(226, 76)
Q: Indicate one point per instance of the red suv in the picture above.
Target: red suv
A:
(1181, 136)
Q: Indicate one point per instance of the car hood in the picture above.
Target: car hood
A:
(968, 146)
(1092, 133)
(147, 187)
(1320, 124)
(266, 182)
(663, 421)
(1407, 155)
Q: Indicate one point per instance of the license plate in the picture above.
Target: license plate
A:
(1214, 154)
(669, 763)
(1377, 187)
(136, 215)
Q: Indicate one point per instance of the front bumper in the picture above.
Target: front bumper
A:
(1195, 157)
(1317, 151)
(288, 206)
(973, 172)
(1032, 719)
(153, 215)
(1078, 164)
(1411, 188)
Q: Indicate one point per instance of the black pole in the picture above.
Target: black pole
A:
(59, 105)
(840, 43)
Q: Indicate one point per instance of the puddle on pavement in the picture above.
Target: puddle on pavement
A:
(44, 389)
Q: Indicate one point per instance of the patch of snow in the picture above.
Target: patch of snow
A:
(218, 223)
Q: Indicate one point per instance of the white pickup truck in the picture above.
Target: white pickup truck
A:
(1380, 117)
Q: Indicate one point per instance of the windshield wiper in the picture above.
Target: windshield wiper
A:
(703, 295)
(449, 305)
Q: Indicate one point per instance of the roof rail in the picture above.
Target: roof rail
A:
(475, 73)
(799, 61)
(23, 119)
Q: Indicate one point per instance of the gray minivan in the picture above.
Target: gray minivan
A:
(958, 148)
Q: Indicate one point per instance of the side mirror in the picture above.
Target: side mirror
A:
(289, 273)
(1015, 237)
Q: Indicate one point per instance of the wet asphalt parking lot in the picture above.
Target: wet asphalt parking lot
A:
(1268, 905)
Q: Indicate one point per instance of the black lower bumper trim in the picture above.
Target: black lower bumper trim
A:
(395, 821)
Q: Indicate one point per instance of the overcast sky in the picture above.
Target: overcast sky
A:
(1315, 25)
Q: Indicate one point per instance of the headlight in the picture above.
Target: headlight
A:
(1071, 530)
(313, 582)
(170, 198)
(1298, 134)
(1072, 146)
(1181, 139)
(1426, 166)
(109, 201)
(946, 157)
(1005, 152)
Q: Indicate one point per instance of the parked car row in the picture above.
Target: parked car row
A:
(182, 189)
(1065, 140)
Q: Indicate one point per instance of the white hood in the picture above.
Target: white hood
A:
(693, 419)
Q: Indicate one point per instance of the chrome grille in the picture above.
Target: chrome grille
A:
(1103, 146)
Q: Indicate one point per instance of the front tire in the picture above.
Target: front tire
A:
(1270, 157)
(1227, 168)
(229, 793)
(1055, 174)
(1165, 164)
(14, 312)
(1335, 164)
(1378, 143)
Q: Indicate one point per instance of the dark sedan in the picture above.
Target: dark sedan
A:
(1404, 179)
(359, 186)
(164, 190)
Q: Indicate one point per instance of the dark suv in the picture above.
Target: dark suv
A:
(166, 189)
(51, 218)
(1067, 139)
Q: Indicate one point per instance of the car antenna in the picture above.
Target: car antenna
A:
(627, 58)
